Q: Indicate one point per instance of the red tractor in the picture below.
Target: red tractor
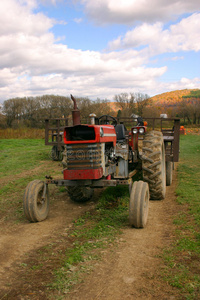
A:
(103, 154)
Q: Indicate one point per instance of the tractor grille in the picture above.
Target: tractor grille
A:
(83, 156)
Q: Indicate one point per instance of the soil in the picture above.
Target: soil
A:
(131, 270)
(128, 270)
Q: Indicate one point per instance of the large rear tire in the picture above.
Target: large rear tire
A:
(139, 204)
(169, 172)
(80, 193)
(35, 208)
(153, 164)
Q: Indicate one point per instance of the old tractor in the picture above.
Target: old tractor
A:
(104, 153)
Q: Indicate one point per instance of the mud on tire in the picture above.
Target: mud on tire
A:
(35, 208)
(80, 193)
(153, 164)
(139, 204)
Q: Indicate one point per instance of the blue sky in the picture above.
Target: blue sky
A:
(98, 49)
(79, 32)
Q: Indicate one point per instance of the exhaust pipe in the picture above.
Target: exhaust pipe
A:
(75, 113)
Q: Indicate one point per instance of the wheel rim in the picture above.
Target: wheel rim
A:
(41, 203)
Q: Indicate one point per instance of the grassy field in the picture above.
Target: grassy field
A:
(21, 160)
(182, 258)
(24, 160)
(20, 155)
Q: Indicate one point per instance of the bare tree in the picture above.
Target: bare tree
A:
(132, 103)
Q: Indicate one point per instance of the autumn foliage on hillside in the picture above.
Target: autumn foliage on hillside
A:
(170, 98)
(184, 104)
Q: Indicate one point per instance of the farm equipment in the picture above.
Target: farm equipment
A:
(104, 153)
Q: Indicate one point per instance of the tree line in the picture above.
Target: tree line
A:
(32, 111)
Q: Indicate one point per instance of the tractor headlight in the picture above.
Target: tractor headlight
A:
(101, 132)
(135, 131)
(141, 130)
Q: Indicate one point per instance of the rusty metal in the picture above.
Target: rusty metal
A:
(44, 191)
(110, 170)
(121, 169)
(176, 140)
(54, 134)
(131, 174)
(92, 183)
(76, 117)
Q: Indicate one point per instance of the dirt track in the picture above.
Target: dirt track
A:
(20, 239)
(127, 271)
(131, 270)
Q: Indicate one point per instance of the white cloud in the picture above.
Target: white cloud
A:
(15, 18)
(78, 20)
(183, 83)
(177, 57)
(54, 2)
(140, 36)
(130, 11)
(32, 63)
(183, 36)
(7, 77)
(99, 85)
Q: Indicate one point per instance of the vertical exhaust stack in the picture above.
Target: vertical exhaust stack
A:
(75, 113)
(92, 118)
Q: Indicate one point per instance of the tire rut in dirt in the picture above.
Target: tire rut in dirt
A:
(153, 164)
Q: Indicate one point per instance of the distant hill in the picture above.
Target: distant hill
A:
(166, 99)
(171, 98)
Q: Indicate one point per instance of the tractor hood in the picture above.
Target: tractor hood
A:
(82, 134)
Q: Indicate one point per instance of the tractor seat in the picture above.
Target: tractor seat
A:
(120, 131)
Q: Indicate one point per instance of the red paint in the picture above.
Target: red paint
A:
(83, 174)
(107, 129)
(108, 177)
(133, 138)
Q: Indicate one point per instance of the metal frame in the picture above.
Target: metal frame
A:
(170, 136)
(92, 183)
(55, 134)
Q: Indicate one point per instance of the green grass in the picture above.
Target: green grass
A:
(21, 161)
(91, 233)
(18, 155)
(182, 258)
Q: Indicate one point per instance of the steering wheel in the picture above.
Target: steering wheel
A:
(106, 118)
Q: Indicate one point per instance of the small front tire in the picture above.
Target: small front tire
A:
(35, 208)
(139, 204)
